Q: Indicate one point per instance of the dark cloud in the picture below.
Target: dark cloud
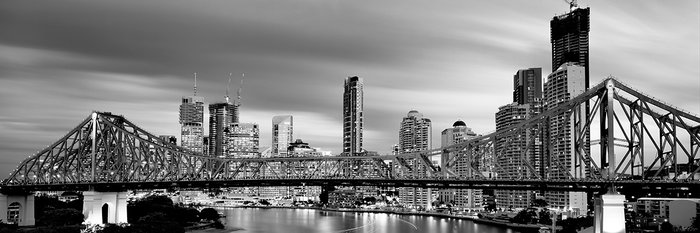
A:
(449, 60)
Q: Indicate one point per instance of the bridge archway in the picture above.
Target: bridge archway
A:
(104, 207)
(13, 212)
(17, 209)
(105, 213)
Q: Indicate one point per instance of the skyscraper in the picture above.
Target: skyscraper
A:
(243, 141)
(527, 86)
(192, 123)
(221, 115)
(520, 154)
(563, 84)
(415, 134)
(569, 37)
(352, 115)
(282, 134)
(463, 198)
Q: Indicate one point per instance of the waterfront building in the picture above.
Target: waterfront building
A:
(282, 134)
(516, 151)
(461, 198)
(415, 134)
(352, 115)
(221, 115)
(570, 40)
(520, 155)
(299, 148)
(192, 123)
(677, 211)
(566, 82)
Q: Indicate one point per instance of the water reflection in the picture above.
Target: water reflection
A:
(309, 221)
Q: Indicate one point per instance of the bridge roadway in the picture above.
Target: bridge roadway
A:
(439, 183)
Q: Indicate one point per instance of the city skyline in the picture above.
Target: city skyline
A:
(43, 82)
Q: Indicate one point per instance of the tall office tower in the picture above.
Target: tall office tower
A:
(282, 134)
(352, 116)
(463, 198)
(221, 115)
(242, 141)
(570, 39)
(192, 123)
(563, 84)
(415, 134)
(527, 86)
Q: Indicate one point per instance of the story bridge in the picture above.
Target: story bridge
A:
(621, 139)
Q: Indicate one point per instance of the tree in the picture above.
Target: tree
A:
(61, 217)
(209, 214)
(539, 203)
(370, 200)
(525, 216)
(666, 227)
(491, 206)
(264, 202)
(544, 217)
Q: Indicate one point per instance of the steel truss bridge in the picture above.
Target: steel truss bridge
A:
(624, 139)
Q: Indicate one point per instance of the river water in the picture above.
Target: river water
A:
(309, 221)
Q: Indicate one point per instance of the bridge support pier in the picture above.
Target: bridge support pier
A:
(609, 214)
(104, 207)
(17, 209)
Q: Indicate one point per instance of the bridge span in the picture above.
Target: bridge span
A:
(638, 143)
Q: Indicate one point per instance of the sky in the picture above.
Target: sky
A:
(450, 60)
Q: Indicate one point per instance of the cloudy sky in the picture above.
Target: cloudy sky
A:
(448, 59)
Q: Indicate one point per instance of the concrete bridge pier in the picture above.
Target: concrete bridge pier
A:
(104, 207)
(609, 214)
(17, 209)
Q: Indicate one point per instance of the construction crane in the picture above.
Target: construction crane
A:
(240, 89)
(572, 4)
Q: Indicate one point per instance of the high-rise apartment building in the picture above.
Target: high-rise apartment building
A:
(415, 134)
(221, 115)
(520, 155)
(192, 123)
(462, 198)
(282, 134)
(563, 84)
(352, 116)
(570, 42)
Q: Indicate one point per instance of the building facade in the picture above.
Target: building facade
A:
(566, 82)
(570, 40)
(192, 123)
(221, 116)
(415, 134)
(282, 134)
(461, 198)
(242, 141)
(352, 115)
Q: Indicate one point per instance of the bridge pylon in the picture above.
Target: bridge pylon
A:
(104, 207)
(17, 208)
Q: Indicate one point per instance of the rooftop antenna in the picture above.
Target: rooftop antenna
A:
(195, 83)
(228, 87)
(240, 89)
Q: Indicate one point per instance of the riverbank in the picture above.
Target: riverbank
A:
(515, 226)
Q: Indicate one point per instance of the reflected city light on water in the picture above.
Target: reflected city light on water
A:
(311, 221)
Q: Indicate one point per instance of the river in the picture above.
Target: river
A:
(276, 220)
